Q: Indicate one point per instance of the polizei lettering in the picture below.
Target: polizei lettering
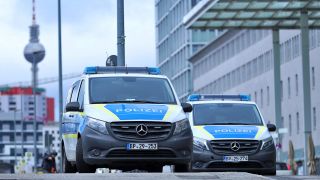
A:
(233, 131)
(142, 110)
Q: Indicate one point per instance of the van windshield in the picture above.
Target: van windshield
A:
(130, 90)
(226, 114)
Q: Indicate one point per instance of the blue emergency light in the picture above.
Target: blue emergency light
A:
(121, 69)
(199, 97)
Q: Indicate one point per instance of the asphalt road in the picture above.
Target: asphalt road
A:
(149, 176)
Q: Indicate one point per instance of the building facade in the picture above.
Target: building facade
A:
(20, 99)
(241, 61)
(175, 44)
(17, 110)
(16, 137)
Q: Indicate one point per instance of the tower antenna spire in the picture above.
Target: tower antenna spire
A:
(33, 11)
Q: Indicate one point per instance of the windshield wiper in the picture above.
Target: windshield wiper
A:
(127, 101)
(229, 124)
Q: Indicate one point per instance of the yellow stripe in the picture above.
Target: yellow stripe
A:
(171, 109)
(101, 107)
(71, 136)
(260, 131)
(202, 130)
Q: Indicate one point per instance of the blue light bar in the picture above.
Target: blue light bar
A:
(154, 70)
(90, 70)
(194, 97)
(198, 97)
(122, 69)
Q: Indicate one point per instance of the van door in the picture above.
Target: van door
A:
(70, 124)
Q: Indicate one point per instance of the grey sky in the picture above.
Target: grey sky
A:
(88, 32)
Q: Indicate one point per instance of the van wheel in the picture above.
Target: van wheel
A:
(67, 167)
(82, 166)
(182, 167)
(154, 169)
(272, 172)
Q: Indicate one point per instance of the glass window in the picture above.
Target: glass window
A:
(281, 87)
(81, 94)
(290, 125)
(297, 85)
(261, 98)
(289, 88)
(131, 90)
(74, 94)
(268, 96)
(226, 113)
(282, 54)
(256, 96)
(298, 123)
(313, 78)
(314, 118)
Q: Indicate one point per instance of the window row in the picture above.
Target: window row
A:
(296, 86)
(298, 120)
(176, 63)
(228, 50)
(240, 75)
(181, 83)
(174, 18)
(262, 97)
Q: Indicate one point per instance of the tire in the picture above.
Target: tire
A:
(182, 167)
(272, 172)
(154, 169)
(82, 166)
(67, 167)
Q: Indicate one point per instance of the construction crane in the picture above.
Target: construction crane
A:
(43, 81)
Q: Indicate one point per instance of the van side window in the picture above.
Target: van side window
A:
(81, 94)
(74, 95)
(69, 95)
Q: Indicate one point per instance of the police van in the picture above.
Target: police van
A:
(125, 118)
(230, 135)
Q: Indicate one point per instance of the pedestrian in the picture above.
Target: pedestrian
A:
(49, 163)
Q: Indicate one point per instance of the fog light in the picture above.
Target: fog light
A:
(198, 165)
(95, 152)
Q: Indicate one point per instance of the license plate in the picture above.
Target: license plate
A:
(235, 158)
(142, 146)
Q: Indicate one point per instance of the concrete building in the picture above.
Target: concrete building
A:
(175, 44)
(21, 99)
(242, 62)
(17, 109)
(16, 133)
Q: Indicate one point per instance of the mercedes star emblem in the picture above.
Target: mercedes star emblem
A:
(142, 130)
(235, 146)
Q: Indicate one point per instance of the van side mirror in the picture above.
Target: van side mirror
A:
(186, 107)
(271, 127)
(73, 106)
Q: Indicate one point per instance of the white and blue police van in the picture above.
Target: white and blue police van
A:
(230, 134)
(125, 118)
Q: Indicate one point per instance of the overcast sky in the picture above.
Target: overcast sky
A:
(88, 32)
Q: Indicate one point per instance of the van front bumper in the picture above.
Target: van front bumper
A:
(103, 150)
(261, 162)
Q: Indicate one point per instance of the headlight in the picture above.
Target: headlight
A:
(266, 143)
(97, 125)
(181, 126)
(200, 143)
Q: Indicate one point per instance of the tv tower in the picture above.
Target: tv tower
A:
(34, 53)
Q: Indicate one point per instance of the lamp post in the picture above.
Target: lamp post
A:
(60, 78)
